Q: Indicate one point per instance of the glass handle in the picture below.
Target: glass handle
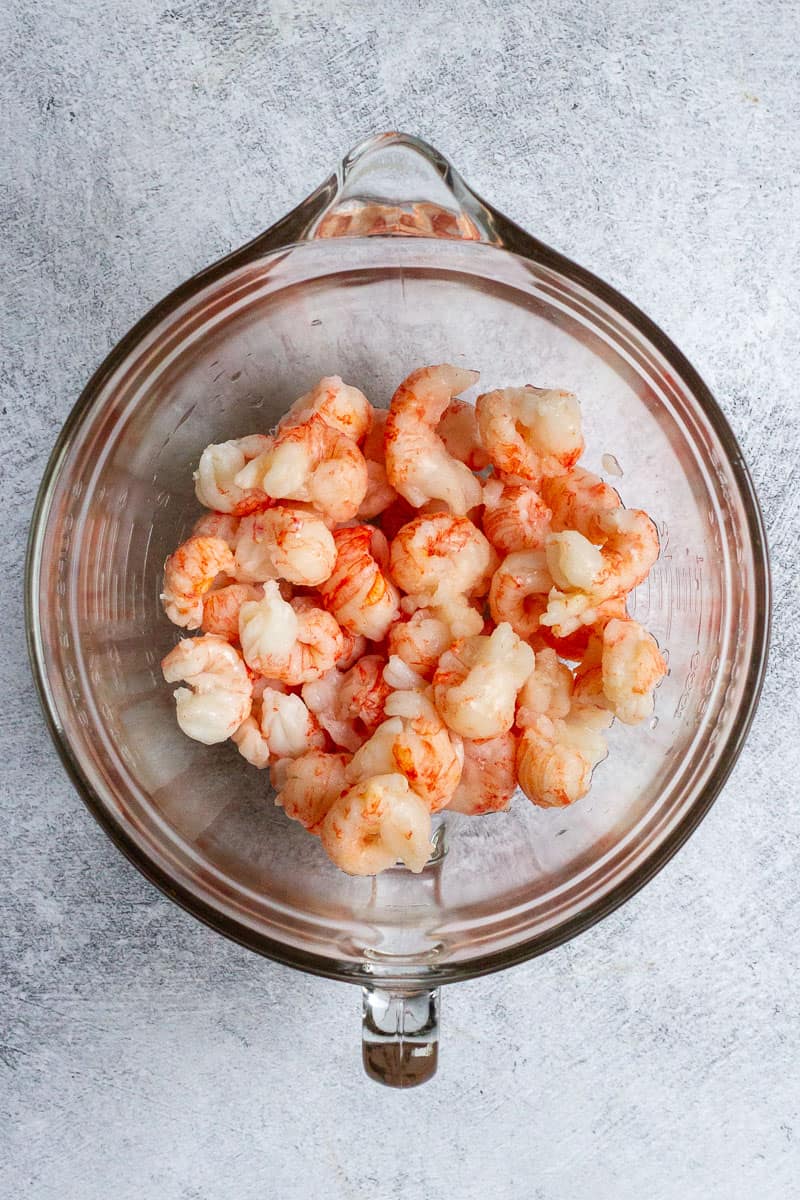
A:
(400, 1036)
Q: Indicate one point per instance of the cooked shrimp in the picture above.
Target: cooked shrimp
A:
(314, 463)
(476, 683)
(284, 543)
(574, 562)
(489, 778)
(415, 741)
(547, 692)
(566, 613)
(443, 562)
(376, 755)
(307, 786)
(462, 617)
(555, 760)
(289, 727)
(341, 406)
(221, 609)
(420, 641)
(317, 632)
(358, 592)
(349, 706)
(519, 591)
(589, 704)
(572, 616)
(293, 642)
(219, 694)
(574, 645)
(189, 574)
(380, 493)
(441, 554)
(587, 576)
(322, 699)
(400, 677)
(280, 726)
(374, 824)
(217, 524)
(631, 668)
(530, 432)
(630, 550)
(364, 692)
(563, 720)
(458, 429)
(251, 743)
(268, 631)
(319, 642)
(424, 750)
(514, 518)
(417, 464)
(216, 473)
(579, 500)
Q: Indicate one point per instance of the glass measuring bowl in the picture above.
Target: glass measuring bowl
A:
(392, 263)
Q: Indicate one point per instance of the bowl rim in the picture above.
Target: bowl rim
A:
(516, 241)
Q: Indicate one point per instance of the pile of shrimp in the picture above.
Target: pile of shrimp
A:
(399, 612)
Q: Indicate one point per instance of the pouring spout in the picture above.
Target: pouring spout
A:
(389, 185)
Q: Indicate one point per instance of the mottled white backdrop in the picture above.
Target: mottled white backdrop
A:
(142, 1056)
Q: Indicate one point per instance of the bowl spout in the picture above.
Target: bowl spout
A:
(391, 184)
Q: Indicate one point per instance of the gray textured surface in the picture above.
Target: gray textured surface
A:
(142, 1055)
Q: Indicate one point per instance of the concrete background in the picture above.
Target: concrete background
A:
(656, 1056)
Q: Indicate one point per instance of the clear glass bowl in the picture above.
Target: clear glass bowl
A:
(391, 263)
